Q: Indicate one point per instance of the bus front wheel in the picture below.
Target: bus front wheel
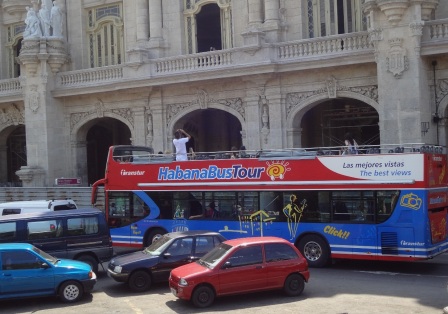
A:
(153, 235)
(315, 250)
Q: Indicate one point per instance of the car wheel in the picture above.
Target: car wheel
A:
(140, 281)
(89, 260)
(70, 291)
(154, 235)
(203, 296)
(315, 250)
(294, 285)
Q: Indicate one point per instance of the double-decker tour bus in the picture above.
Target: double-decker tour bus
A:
(380, 204)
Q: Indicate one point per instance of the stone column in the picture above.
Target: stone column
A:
(142, 23)
(44, 115)
(271, 9)
(156, 43)
(403, 82)
(276, 118)
(255, 13)
(160, 141)
(79, 157)
(253, 116)
(294, 137)
(139, 133)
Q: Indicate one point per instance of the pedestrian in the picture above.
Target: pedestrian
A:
(180, 144)
(351, 147)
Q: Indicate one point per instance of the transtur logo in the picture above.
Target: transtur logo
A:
(132, 173)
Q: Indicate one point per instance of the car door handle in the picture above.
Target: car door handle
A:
(7, 275)
(259, 267)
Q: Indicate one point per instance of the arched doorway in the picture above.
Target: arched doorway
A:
(208, 23)
(327, 123)
(15, 155)
(104, 133)
(211, 130)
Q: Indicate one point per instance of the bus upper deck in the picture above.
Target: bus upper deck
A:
(404, 166)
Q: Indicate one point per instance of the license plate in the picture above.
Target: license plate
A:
(173, 291)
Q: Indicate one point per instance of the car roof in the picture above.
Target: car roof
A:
(255, 240)
(179, 234)
(15, 246)
(59, 213)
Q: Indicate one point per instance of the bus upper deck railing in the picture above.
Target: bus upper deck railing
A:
(140, 154)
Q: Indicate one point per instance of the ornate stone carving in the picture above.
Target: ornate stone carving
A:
(234, 103)
(265, 129)
(397, 61)
(295, 99)
(202, 98)
(393, 9)
(375, 36)
(331, 86)
(417, 32)
(149, 128)
(13, 115)
(33, 99)
(99, 112)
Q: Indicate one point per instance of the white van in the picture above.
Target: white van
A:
(23, 207)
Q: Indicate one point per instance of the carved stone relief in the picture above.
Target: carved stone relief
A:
(13, 115)
(33, 99)
(397, 62)
(203, 102)
(100, 111)
(294, 99)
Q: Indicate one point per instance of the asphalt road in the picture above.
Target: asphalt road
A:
(345, 287)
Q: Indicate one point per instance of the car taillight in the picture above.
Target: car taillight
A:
(52, 227)
(90, 274)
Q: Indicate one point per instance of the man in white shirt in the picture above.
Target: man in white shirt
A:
(180, 144)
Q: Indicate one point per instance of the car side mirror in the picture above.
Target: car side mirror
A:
(166, 255)
(227, 265)
(44, 265)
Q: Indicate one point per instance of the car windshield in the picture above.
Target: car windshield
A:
(157, 247)
(212, 258)
(51, 259)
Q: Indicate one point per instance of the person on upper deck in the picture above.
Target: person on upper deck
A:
(180, 144)
(351, 145)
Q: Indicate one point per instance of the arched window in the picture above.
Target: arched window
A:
(105, 33)
(14, 44)
(208, 25)
(332, 17)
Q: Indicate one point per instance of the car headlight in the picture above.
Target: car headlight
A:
(183, 282)
(118, 269)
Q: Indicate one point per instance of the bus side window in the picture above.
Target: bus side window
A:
(340, 211)
(8, 231)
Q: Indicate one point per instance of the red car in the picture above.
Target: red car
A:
(241, 266)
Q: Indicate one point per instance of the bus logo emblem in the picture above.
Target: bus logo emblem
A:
(277, 169)
(411, 201)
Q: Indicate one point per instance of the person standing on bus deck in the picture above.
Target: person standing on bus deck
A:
(351, 145)
(180, 144)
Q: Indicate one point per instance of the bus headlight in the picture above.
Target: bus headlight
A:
(183, 282)
(118, 269)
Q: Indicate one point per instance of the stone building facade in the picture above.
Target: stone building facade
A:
(266, 74)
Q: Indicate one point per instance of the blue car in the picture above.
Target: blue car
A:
(26, 271)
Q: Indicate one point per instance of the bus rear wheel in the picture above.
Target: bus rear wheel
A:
(315, 250)
(154, 235)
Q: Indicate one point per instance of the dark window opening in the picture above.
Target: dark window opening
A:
(208, 23)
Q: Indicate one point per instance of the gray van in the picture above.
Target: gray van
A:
(80, 234)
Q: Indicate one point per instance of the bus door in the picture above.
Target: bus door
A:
(119, 218)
